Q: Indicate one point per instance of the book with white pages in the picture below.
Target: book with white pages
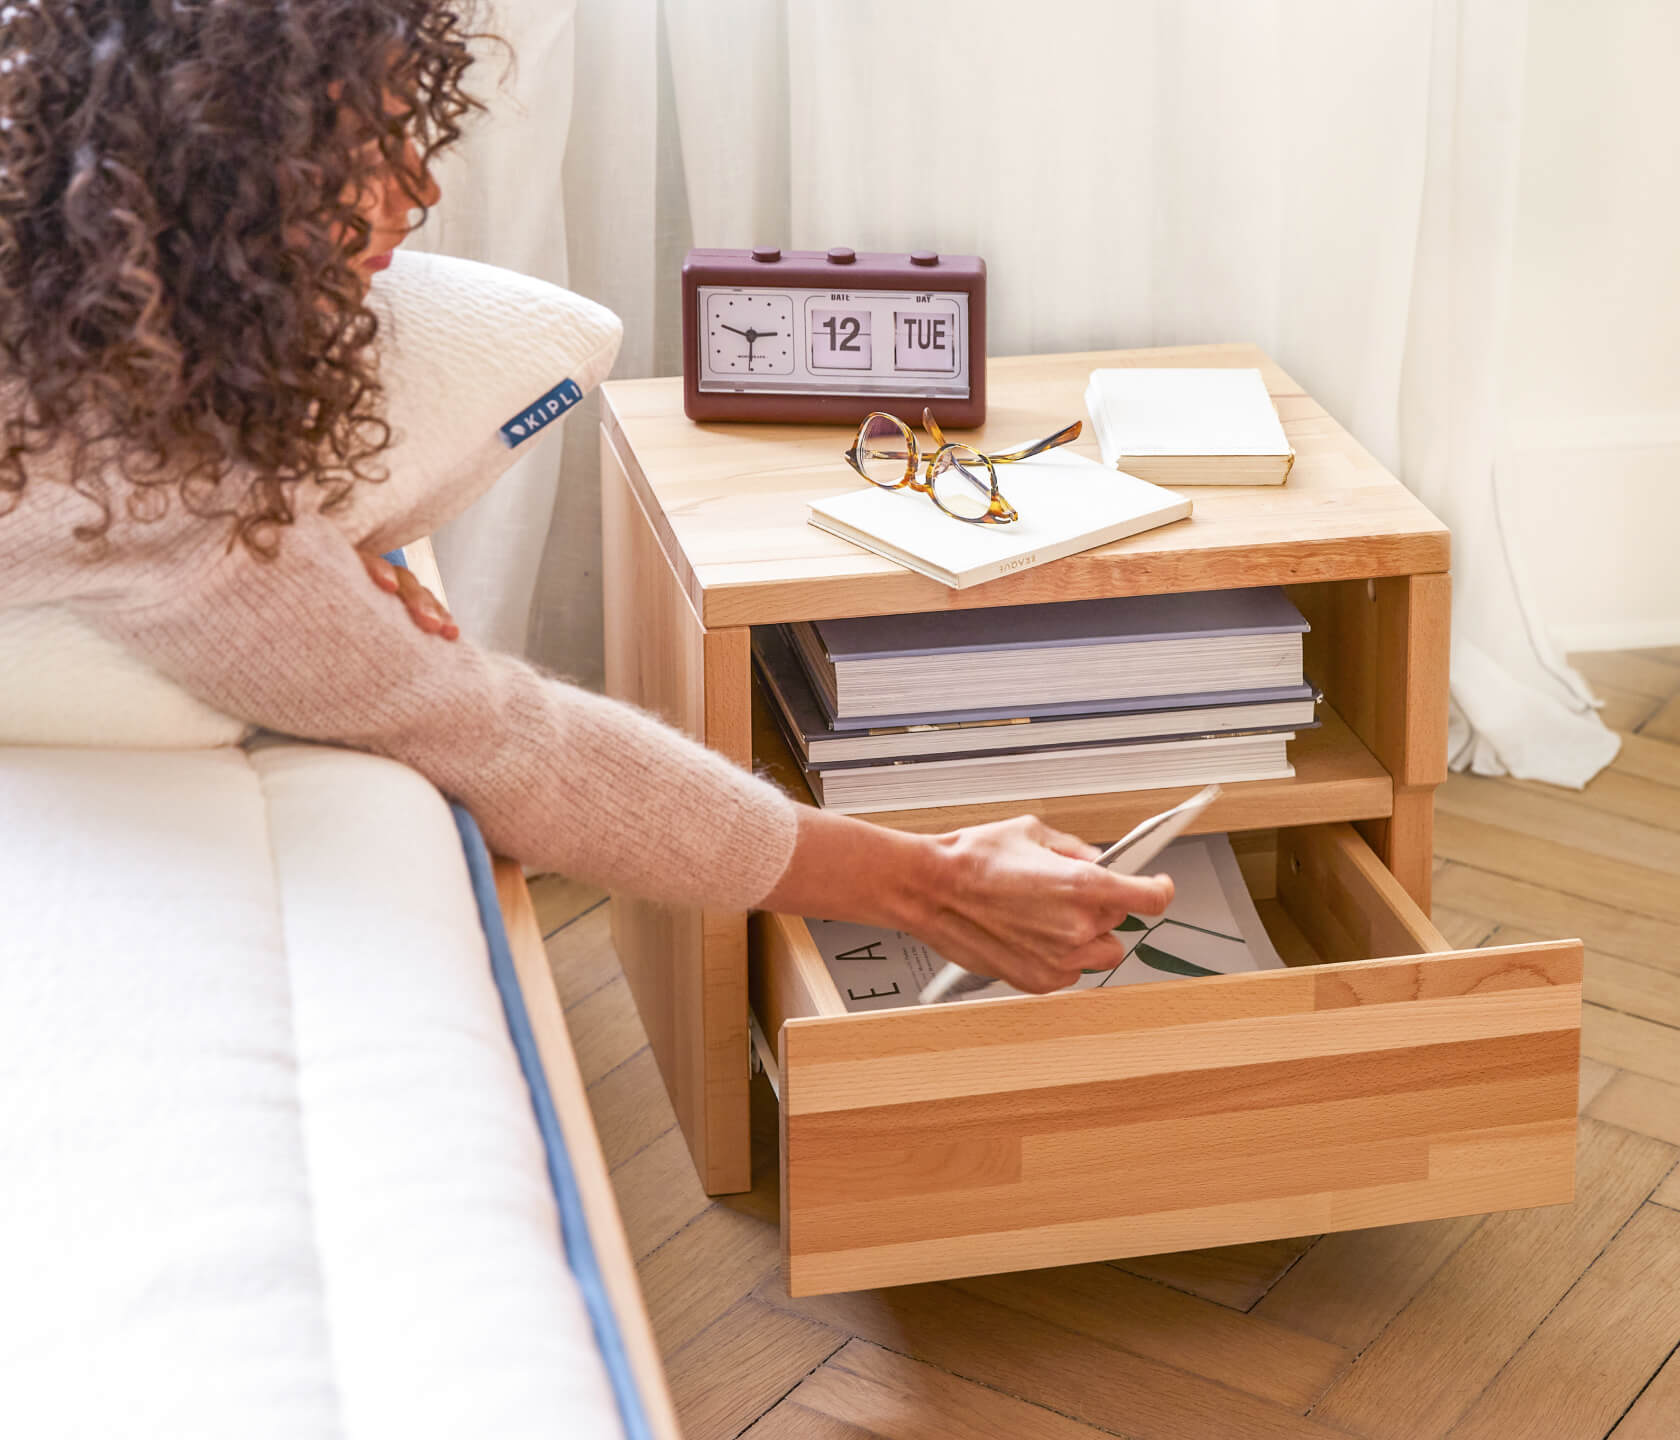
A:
(1066, 502)
(819, 745)
(1086, 651)
(1032, 775)
(1189, 427)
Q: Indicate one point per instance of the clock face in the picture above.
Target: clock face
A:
(749, 333)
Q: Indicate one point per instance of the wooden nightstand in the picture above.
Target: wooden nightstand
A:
(1344, 1091)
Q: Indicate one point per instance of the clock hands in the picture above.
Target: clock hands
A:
(752, 337)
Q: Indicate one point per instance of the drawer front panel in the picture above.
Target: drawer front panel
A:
(924, 1143)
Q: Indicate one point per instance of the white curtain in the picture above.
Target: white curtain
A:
(1334, 179)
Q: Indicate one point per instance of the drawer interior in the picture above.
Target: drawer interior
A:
(1380, 1077)
(1321, 893)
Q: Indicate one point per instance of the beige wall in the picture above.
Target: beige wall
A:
(1594, 345)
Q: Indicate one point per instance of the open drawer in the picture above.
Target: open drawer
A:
(1341, 1092)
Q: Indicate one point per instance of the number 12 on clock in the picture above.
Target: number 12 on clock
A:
(841, 340)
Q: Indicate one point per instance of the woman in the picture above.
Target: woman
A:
(193, 199)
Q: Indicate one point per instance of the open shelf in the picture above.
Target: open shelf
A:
(1336, 778)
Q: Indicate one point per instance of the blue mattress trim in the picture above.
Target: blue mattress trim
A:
(574, 1228)
(574, 1225)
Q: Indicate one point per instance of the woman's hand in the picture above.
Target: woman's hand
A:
(1024, 903)
(1014, 899)
(424, 608)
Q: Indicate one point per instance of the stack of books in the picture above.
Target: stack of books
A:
(898, 712)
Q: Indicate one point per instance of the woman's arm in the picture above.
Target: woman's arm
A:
(555, 775)
(567, 780)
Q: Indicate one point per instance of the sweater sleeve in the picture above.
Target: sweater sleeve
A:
(556, 776)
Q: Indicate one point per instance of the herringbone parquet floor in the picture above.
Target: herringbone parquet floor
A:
(1555, 1324)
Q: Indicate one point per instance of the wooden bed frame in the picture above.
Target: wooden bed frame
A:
(571, 1104)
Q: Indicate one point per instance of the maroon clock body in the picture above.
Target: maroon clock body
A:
(826, 337)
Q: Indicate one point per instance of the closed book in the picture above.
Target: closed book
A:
(1066, 502)
(1189, 427)
(1039, 774)
(1087, 651)
(819, 745)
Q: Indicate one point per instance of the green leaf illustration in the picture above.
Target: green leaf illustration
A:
(1131, 922)
(1170, 964)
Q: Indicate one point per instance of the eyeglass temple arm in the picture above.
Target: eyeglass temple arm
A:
(1061, 437)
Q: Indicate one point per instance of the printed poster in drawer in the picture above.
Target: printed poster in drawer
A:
(1211, 928)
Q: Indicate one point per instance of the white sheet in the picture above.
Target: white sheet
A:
(269, 1167)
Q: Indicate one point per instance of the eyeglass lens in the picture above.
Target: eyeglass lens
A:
(883, 450)
(962, 482)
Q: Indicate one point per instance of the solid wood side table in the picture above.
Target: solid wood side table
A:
(705, 535)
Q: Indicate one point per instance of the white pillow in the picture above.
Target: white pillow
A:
(63, 683)
(475, 361)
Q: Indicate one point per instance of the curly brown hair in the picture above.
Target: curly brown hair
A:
(179, 186)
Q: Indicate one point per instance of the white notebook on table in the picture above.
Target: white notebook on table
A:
(1067, 503)
(1189, 427)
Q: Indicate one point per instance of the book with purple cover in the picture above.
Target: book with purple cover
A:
(1083, 651)
(818, 743)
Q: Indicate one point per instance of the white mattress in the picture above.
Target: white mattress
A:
(267, 1163)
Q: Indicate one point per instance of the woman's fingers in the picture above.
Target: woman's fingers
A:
(1070, 845)
(381, 571)
(1103, 953)
(1144, 894)
(424, 607)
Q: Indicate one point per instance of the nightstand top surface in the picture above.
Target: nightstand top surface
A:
(729, 503)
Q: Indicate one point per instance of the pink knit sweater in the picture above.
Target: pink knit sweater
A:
(305, 644)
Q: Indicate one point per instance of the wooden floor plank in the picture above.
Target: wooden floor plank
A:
(1595, 1076)
(631, 1107)
(1624, 709)
(736, 1369)
(1545, 812)
(789, 1421)
(1630, 1043)
(702, 1270)
(1664, 725)
(1595, 1352)
(1632, 988)
(1668, 1193)
(1234, 1275)
(1460, 929)
(1637, 1102)
(581, 957)
(606, 1029)
(1546, 910)
(896, 1398)
(658, 1192)
(1612, 793)
(1640, 674)
(559, 900)
(1250, 1353)
(1049, 1366)
(1655, 1415)
(1485, 1301)
(1649, 758)
(1351, 1284)
(1572, 872)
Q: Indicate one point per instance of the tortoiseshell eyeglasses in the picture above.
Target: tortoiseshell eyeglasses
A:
(959, 480)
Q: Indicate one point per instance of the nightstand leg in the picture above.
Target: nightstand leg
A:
(686, 968)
